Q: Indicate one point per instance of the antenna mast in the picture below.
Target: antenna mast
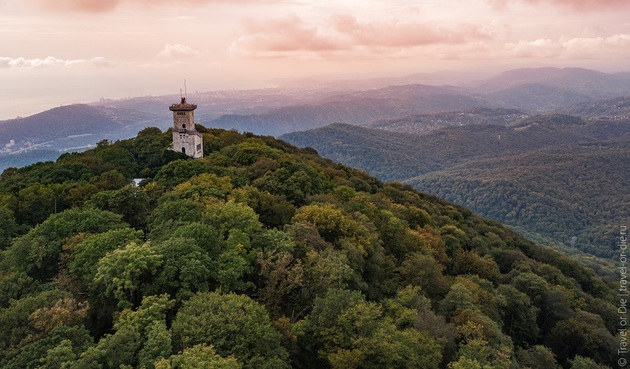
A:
(185, 91)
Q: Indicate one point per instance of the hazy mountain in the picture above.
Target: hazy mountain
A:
(66, 128)
(529, 90)
(352, 108)
(405, 106)
(533, 165)
(587, 82)
(420, 123)
(398, 156)
(614, 108)
(540, 89)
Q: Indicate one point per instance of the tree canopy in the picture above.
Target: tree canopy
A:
(263, 255)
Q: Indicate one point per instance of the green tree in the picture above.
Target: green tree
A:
(8, 227)
(198, 357)
(518, 316)
(185, 269)
(85, 256)
(124, 273)
(537, 357)
(132, 203)
(140, 338)
(281, 275)
(348, 330)
(230, 216)
(35, 203)
(37, 252)
(580, 362)
(235, 324)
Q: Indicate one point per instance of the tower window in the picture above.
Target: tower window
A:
(183, 126)
(183, 150)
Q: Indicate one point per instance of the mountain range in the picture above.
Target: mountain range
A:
(276, 111)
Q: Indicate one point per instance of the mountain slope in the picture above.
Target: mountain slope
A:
(398, 156)
(542, 174)
(420, 123)
(66, 128)
(569, 193)
(262, 255)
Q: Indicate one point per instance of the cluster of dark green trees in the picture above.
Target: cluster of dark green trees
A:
(262, 255)
(571, 194)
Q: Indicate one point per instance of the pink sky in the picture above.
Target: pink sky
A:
(63, 51)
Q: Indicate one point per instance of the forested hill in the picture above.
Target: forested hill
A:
(399, 156)
(262, 255)
(553, 176)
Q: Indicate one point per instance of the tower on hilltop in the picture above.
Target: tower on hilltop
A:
(186, 139)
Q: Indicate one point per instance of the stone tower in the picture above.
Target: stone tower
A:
(186, 139)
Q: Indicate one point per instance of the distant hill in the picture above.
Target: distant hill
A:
(587, 82)
(618, 107)
(71, 121)
(420, 123)
(542, 89)
(68, 128)
(353, 108)
(571, 193)
(399, 156)
(531, 91)
(27, 158)
(482, 166)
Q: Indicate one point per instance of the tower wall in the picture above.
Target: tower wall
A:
(186, 139)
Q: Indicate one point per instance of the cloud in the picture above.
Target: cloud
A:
(540, 48)
(50, 61)
(574, 48)
(176, 51)
(344, 36)
(579, 5)
(282, 35)
(395, 34)
(101, 6)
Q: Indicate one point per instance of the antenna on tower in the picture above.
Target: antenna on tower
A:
(185, 92)
(181, 95)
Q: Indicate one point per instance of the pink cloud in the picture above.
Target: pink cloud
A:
(344, 34)
(580, 5)
(176, 50)
(50, 61)
(100, 6)
(576, 48)
(283, 35)
(395, 34)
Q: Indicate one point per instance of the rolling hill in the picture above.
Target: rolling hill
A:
(421, 123)
(541, 174)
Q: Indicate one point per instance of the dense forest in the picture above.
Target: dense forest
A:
(556, 177)
(573, 194)
(263, 255)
